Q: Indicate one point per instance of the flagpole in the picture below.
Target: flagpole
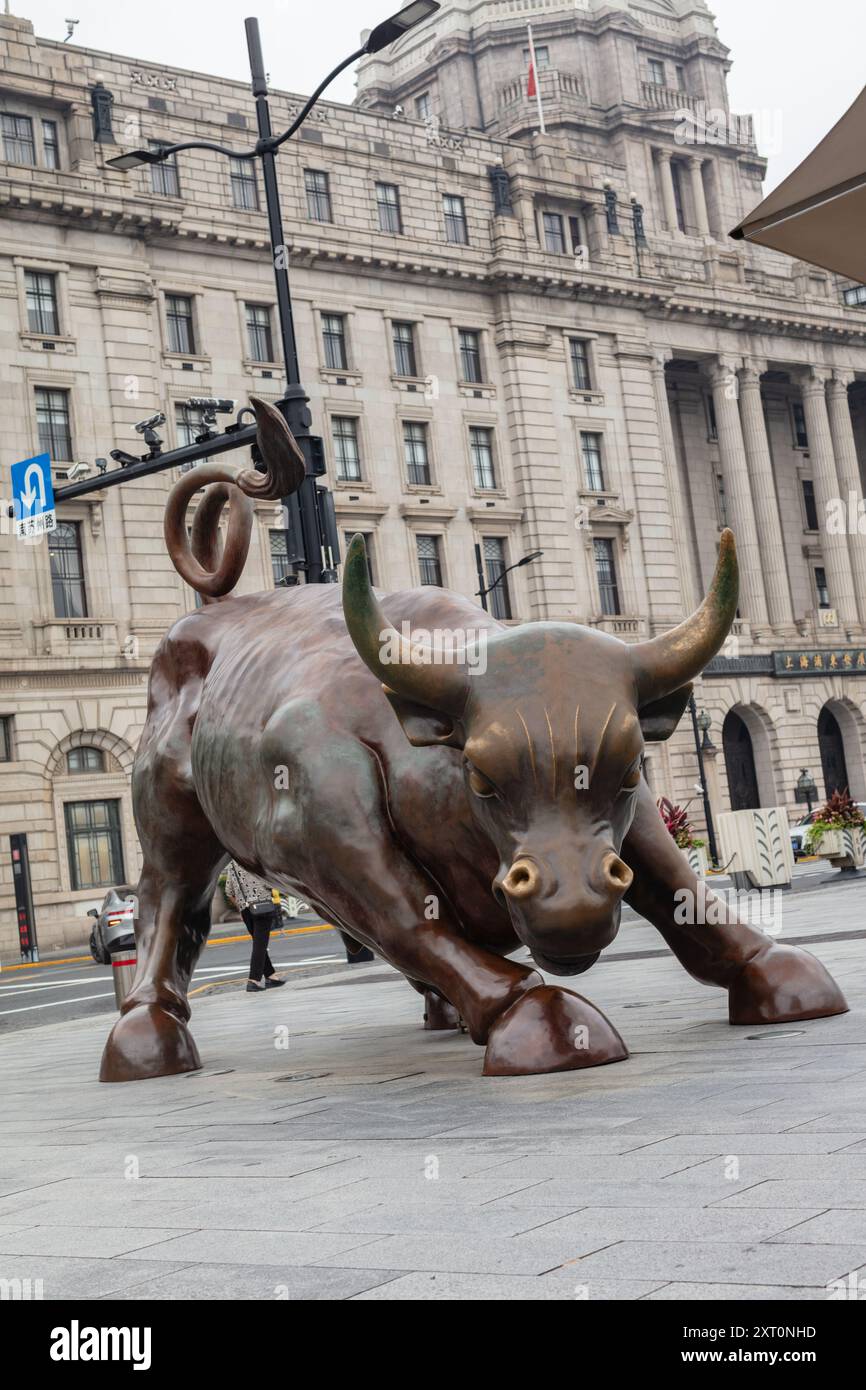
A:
(537, 78)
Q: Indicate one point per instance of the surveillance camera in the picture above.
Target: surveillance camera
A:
(102, 465)
(211, 404)
(151, 423)
(78, 470)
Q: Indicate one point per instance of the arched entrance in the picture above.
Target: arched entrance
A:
(740, 764)
(832, 746)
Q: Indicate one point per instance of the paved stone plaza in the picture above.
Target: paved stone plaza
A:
(371, 1160)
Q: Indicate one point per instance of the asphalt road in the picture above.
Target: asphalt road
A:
(73, 986)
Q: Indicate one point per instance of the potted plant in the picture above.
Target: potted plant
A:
(837, 833)
(677, 821)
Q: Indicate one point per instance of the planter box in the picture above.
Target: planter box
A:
(698, 860)
(757, 845)
(845, 849)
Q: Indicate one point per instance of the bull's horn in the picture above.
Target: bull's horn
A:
(669, 662)
(402, 666)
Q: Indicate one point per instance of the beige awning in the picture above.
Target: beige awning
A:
(819, 213)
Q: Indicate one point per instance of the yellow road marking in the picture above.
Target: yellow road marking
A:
(220, 941)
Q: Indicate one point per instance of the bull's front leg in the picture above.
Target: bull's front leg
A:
(766, 982)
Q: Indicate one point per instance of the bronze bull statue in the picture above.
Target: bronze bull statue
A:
(439, 813)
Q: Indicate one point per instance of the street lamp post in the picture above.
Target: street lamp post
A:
(484, 590)
(312, 542)
(700, 724)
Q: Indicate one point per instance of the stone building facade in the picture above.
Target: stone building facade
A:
(512, 340)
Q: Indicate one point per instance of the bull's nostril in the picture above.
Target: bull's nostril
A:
(617, 874)
(522, 879)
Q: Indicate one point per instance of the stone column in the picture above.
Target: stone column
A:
(738, 495)
(848, 472)
(759, 462)
(682, 529)
(668, 195)
(827, 489)
(699, 197)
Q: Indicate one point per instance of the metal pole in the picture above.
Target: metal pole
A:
(479, 568)
(708, 814)
(296, 406)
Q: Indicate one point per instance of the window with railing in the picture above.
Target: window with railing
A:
(279, 548)
(347, 454)
(593, 466)
(94, 844)
(405, 356)
(481, 451)
(542, 56)
(657, 72)
(179, 321)
(318, 189)
(41, 293)
(53, 423)
(388, 204)
(605, 569)
(259, 334)
(245, 184)
(498, 597)
(164, 176)
(456, 228)
(334, 342)
(66, 563)
(470, 355)
(429, 559)
(416, 453)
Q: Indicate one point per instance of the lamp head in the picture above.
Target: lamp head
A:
(398, 24)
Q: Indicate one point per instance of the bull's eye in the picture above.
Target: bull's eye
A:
(631, 779)
(479, 784)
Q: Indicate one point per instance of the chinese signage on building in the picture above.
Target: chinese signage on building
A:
(849, 661)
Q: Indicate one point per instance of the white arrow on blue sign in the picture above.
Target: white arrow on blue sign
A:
(33, 496)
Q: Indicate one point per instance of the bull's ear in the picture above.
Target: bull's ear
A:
(425, 728)
(659, 720)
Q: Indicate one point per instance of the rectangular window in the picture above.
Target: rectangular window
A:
(821, 588)
(368, 546)
(347, 456)
(809, 505)
(712, 424)
(429, 562)
(5, 738)
(423, 109)
(318, 191)
(94, 844)
(67, 570)
(18, 146)
(334, 341)
(52, 423)
(855, 296)
(456, 230)
(580, 373)
(388, 203)
(542, 56)
(498, 598)
(657, 72)
(245, 184)
(677, 179)
(801, 435)
(416, 453)
(554, 233)
(405, 357)
(605, 569)
(261, 342)
(279, 557)
(50, 145)
(681, 77)
(593, 470)
(178, 317)
(41, 292)
(470, 355)
(164, 177)
(481, 450)
(189, 424)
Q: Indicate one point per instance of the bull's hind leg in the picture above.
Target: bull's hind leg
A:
(766, 982)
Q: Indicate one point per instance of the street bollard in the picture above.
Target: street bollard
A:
(123, 962)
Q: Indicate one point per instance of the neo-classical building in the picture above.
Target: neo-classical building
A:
(511, 339)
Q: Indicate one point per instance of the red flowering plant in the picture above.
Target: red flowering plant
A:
(839, 812)
(677, 821)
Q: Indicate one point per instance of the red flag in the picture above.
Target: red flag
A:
(531, 88)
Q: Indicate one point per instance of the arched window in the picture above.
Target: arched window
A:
(85, 759)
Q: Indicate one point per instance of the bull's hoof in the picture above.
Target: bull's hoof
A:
(784, 985)
(146, 1042)
(439, 1015)
(551, 1029)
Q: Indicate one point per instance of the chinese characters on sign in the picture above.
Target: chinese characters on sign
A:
(33, 497)
(850, 661)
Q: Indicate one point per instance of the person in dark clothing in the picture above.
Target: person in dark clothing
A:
(259, 908)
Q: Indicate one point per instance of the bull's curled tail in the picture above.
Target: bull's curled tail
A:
(209, 569)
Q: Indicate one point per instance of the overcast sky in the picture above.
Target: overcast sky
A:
(798, 64)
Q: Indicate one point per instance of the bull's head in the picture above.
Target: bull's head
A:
(552, 735)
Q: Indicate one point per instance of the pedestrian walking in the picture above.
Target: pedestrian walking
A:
(259, 907)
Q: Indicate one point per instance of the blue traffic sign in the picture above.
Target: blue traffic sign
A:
(33, 496)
